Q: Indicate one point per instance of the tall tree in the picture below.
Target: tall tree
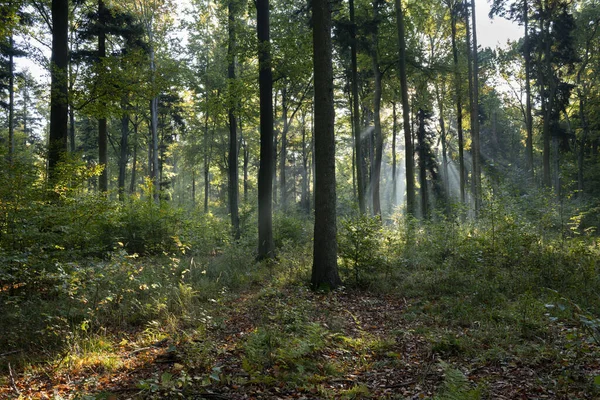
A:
(519, 11)
(358, 154)
(475, 146)
(324, 269)
(265, 172)
(57, 143)
(408, 144)
(377, 134)
(553, 45)
(102, 123)
(233, 102)
(455, 11)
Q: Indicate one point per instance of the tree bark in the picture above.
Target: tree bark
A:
(528, 112)
(11, 100)
(57, 144)
(283, 156)
(324, 270)
(266, 247)
(124, 153)
(459, 105)
(233, 150)
(408, 146)
(102, 125)
(305, 171)
(475, 145)
(377, 134)
(134, 156)
(360, 178)
(394, 177)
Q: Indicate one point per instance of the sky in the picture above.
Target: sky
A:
(491, 33)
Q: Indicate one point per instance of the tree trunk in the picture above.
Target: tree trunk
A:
(324, 269)
(360, 178)
(378, 137)
(102, 126)
(305, 171)
(528, 112)
(408, 147)
(394, 173)
(283, 156)
(443, 137)
(11, 101)
(475, 145)
(459, 110)
(124, 153)
(266, 247)
(246, 164)
(233, 150)
(57, 144)
(422, 164)
(134, 156)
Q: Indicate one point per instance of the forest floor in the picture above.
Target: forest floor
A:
(287, 342)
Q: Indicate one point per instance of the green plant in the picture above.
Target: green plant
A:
(456, 386)
(360, 242)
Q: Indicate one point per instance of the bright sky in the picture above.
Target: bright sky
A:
(491, 33)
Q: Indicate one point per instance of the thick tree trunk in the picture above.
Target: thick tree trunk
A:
(57, 144)
(266, 247)
(408, 146)
(360, 178)
(324, 269)
(233, 150)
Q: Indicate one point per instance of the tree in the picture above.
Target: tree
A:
(265, 172)
(324, 269)
(455, 10)
(553, 45)
(408, 146)
(358, 156)
(475, 146)
(102, 124)
(378, 75)
(233, 142)
(57, 143)
(519, 11)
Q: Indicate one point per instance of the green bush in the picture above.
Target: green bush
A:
(360, 245)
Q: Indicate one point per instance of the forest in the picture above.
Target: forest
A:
(299, 199)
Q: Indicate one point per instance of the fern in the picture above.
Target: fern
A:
(456, 386)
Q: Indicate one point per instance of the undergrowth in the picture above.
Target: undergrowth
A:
(84, 277)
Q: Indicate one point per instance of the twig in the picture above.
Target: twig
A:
(12, 380)
(140, 350)
(11, 352)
